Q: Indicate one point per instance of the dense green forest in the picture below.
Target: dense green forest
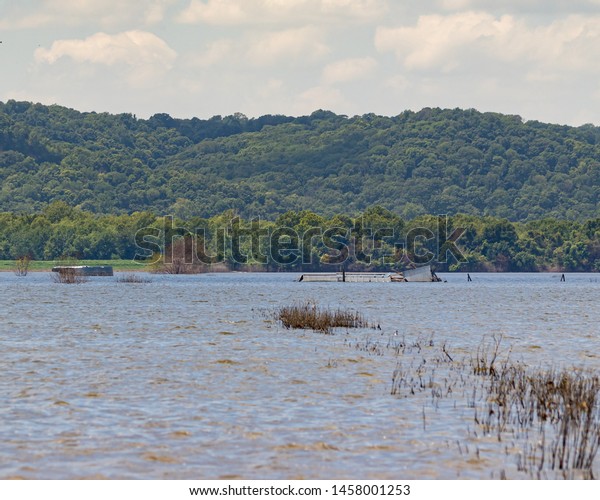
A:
(376, 239)
(430, 162)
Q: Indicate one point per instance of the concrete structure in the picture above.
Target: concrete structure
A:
(85, 270)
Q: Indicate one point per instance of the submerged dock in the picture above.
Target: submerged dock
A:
(419, 275)
(85, 270)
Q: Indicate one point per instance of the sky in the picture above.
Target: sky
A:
(539, 59)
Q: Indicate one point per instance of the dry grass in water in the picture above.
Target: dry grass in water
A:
(562, 405)
(133, 278)
(307, 315)
(551, 416)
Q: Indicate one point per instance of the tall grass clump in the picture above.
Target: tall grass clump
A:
(564, 406)
(307, 315)
(547, 418)
(133, 278)
(22, 266)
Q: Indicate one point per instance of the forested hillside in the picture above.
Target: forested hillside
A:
(433, 161)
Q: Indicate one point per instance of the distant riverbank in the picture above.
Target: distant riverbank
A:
(45, 265)
(121, 265)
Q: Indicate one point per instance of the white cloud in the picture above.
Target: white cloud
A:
(132, 48)
(472, 39)
(456, 4)
(236, 12)
(155, 12)
(271, 90)
(321, 97)
(564, 46)
(143, 55)
(363, 9)
(398, 83)
(191, 86)
(539, 6)
(436, 40)
(348, 69)
(216, 52)
(537, 58)
(292, 45)
(214, 12)
(108, 13)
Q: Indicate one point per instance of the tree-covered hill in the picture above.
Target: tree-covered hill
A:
(432, 161)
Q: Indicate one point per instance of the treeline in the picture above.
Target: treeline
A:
(376, 239)
(431, 161)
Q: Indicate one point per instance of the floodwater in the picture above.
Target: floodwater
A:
(191, 377)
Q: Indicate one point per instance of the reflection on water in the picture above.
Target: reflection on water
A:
(189, 376)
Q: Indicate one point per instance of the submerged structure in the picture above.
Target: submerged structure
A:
(419, 275)
(85, 270)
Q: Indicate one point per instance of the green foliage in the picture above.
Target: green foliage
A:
(336, 190)
(61, 230)
(377, 239)
(432, 161)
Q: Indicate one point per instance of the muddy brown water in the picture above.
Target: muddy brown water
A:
(190, 377)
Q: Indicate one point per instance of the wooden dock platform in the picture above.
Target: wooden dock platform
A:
(419, 275)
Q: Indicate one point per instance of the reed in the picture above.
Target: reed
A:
(307, 315)
(562, 406)
(552, 416)
(133, 278)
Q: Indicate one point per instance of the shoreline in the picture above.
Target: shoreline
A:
(9, 266)
(128, 266)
